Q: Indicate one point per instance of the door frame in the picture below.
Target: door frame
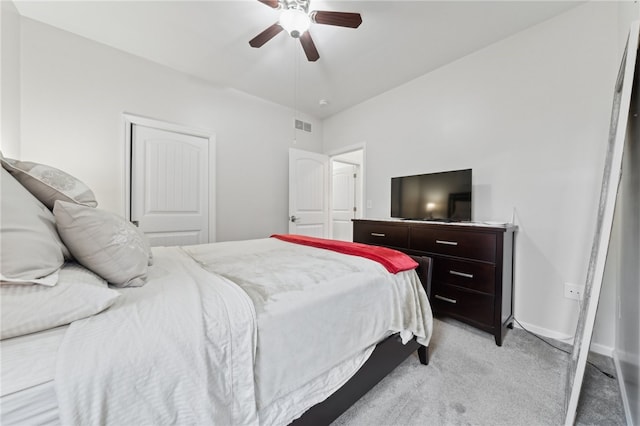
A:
(128, 120)
(362, 187)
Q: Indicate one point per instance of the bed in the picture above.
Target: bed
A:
(109, 331)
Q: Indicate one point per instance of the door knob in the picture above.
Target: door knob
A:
(293, 219)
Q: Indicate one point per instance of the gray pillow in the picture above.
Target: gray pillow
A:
(49, 184)
(103, 242)
(31, 250)
(79, 293)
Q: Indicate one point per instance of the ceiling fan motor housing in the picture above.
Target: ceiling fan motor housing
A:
(294, 17)
(302, 5)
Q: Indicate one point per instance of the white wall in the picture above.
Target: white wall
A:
(10, 79)
(628, 12)
(530, 115)
(74, 92)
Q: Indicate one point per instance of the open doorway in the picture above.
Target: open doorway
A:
(347, 189)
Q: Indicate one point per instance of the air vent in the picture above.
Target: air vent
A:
(302, 125)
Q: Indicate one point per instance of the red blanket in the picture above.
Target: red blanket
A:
(393, 260)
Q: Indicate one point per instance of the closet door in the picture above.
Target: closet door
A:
(170, 186)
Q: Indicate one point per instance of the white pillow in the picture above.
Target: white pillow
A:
(30, 248)
(103, 242)
(49, 184)
(79, 293)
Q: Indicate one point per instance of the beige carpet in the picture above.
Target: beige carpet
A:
(471, 381)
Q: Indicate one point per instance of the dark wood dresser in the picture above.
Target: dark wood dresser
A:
(472, 277)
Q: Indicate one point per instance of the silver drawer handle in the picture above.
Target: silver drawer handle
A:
(461, 274)
(446, 299)
(448, 243)
(377, 234)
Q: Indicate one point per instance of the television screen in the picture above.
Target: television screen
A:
(444, 196)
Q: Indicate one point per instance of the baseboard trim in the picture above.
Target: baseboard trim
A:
(565, 338)
(602, 349)
(545, 332)
(623, 388)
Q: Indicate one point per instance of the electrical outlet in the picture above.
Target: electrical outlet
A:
(573, 291)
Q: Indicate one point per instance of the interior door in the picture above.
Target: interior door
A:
(170, 186)
(343, 202)
(308, 193)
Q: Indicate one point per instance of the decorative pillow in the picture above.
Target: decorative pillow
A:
(79, 293)
(49, 184)
(31, 250)
(103, 242)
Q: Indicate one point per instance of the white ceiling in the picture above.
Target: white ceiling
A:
(397, 41)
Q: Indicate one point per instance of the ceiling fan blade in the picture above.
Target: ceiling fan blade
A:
(271, 3)
(309, 47)
(339, 19)
(266, 35)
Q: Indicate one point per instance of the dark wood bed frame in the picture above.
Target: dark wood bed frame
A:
(387, 355)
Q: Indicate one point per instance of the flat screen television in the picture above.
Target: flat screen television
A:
(444, 196)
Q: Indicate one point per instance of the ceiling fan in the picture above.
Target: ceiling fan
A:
(295, 18)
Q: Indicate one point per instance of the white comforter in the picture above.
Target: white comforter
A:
(182, 349)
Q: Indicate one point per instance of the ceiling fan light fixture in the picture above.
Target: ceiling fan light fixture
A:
(295, 21)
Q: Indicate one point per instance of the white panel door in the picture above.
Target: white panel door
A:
(308, 193)
(343, 202)
(170, 186)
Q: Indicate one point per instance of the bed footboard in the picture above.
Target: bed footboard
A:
(387, 355)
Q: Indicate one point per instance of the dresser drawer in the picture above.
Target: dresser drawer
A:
(451, 300)
(383, 235)
(473, 275)
(473, 245)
